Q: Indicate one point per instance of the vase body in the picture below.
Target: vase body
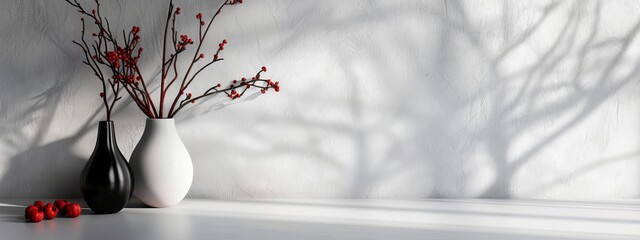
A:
(161, 165)
(106, 180)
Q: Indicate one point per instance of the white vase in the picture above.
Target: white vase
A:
(161, 165)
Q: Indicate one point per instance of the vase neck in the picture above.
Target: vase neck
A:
(166, 125)
(106, 134)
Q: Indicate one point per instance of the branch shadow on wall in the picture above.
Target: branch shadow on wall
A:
(514, 104)
(37, 167)
(27, 120)
(444, 140)
(512, 116)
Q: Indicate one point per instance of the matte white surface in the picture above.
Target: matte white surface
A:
(384, 98)
(161, 165)
(341, 219)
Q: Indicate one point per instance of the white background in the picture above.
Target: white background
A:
(380, 99)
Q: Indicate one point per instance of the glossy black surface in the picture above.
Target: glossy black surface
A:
(106, 180)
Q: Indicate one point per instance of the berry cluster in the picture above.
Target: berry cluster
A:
(39, 210)
(114, 61)
(233, 90)
(255, 81)
(220, 48)
(199, 17)
(125, 56)
(184, 40)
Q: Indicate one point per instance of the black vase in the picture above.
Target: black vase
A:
(106, 180)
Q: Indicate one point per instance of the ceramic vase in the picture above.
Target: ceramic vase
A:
(161, 165)
(106, 181)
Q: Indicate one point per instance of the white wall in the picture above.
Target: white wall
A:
(389, 99)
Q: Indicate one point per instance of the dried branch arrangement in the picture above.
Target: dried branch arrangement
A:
(114, 61)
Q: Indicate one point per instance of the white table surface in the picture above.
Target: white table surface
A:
(339, 219)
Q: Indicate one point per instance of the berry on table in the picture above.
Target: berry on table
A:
(73, 210)
(28, 209)
(38, 204)
(50, 211)
(35, 215)
(61, 204)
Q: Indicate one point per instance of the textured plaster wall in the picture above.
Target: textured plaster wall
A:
(381, 99)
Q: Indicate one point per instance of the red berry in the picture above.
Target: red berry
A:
(263, 91)
(28, 209)
(201, 55)
(188, 95)
(50, 211)
(177, 11)
(264, 69)
(39, 204)
(224, 41)
(215, 57)
(61, 204)
(218, 85)
(35, 215)
(101, 94)
(235, 81)
(73, 210)
(199, 16)
(201, 23)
